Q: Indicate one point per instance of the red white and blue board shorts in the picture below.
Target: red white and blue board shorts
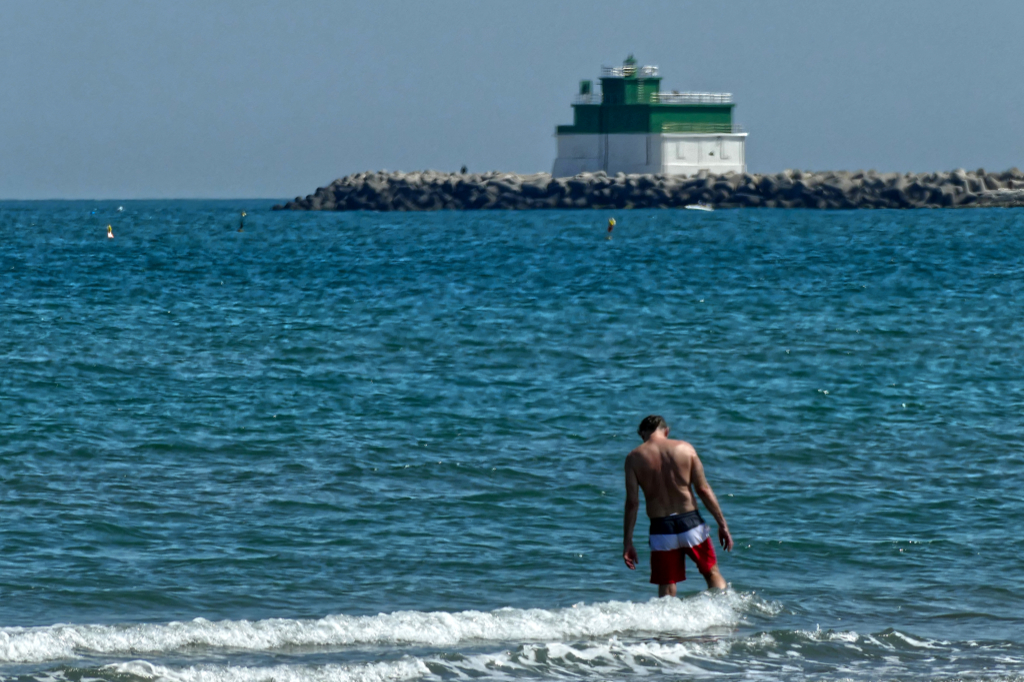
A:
(676, 536)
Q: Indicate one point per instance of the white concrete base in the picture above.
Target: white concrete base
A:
(657, 153)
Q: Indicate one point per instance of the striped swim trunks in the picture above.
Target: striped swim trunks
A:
(676, 536)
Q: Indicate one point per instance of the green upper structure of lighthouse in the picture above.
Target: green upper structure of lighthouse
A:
(633, 127)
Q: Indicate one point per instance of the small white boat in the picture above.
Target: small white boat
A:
(701, 206)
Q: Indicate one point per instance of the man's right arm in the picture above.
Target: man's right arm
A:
(707, 495)
(629, 517)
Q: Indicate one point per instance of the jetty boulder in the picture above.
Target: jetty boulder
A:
(435, 190)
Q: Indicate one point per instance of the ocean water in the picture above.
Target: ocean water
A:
(361, 447)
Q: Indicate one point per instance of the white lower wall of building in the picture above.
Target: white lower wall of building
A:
(659, 153)
(579, 154)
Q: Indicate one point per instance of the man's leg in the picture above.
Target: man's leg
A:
(666, 570)
(714, 578)
(704, 556)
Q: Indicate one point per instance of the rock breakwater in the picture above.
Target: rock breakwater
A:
(433, 191)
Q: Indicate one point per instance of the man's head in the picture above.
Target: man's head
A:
(650, 424)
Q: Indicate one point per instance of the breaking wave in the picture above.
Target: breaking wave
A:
(433, 629)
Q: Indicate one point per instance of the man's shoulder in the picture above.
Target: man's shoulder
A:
(681, 447)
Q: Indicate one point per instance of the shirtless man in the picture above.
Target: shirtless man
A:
(666, 470)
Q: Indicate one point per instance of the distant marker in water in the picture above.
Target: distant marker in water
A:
(241, 221)
(611, 226)
(110, 232)
(120, 208)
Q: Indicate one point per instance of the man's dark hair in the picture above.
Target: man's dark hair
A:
(650, 424)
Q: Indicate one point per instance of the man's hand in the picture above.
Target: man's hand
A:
(629, 556)
(725, 538)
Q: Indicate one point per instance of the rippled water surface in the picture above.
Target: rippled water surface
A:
(389, 446)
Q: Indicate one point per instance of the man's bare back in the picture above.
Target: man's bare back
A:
(663, 470)
(670, 472)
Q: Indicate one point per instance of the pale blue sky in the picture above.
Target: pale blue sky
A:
(138, 99)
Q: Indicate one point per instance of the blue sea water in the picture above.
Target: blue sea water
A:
(357, 447)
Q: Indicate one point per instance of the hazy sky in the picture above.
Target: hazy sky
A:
(232, 98)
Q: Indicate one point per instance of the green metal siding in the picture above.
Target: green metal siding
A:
(625, 118)
(649, 118)
(587, 117)
(688, 118)
(613, 90)
(629, 90)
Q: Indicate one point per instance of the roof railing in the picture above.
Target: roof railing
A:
(684, 128)
(693, 97)
(668, 98)
(626, 71)
(701, 127)
(589, 98)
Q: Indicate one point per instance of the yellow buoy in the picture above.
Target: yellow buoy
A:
(110, 232)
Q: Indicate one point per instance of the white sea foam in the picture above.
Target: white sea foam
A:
(498, 670)
(436, 629)
(548, 661)
(406, 669)
(761, 657)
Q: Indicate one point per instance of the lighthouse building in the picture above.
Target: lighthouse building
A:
(633, 127)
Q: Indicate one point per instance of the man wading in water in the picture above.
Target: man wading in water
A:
(666, 470)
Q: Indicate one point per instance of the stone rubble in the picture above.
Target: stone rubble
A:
(435, 190)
